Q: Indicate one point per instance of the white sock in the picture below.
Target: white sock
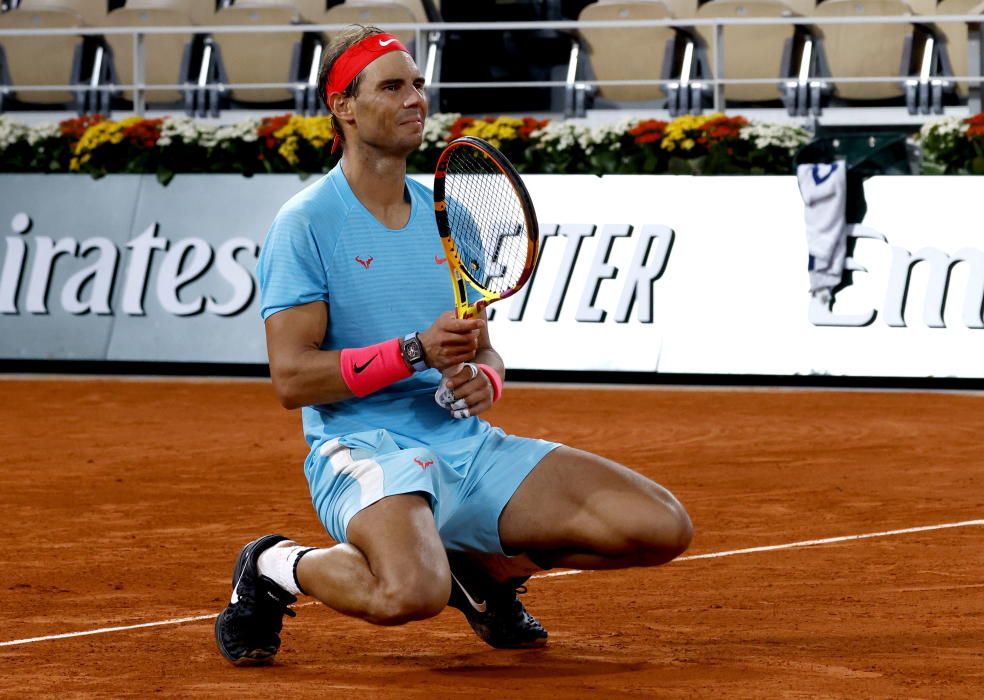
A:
(279, 564)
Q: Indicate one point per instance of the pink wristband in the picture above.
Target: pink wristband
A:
(371, 368)
(495, 380)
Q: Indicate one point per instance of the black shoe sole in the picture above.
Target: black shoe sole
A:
(260, 659)
(530, 644)
(256, 657)
(535, 644)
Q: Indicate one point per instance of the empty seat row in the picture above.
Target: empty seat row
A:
(245, 57)
(688, 9)
(95, 13)
(770, 51)
(766, 52)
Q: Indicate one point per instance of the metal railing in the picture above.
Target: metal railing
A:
(428, 37)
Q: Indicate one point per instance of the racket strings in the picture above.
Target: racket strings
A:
(487, 221)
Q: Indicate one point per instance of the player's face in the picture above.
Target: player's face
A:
(390, 106)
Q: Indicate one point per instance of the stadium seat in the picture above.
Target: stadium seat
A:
(317, 8)
(679, 9)
(923, 7)
(628, 54)
(92, 12)
(34, 60)
(955, 35)
(198, 11)
(258, 57)
(749, 51)
(364, 12)
(414, 7)
(803, 8)
(165, 55)
(866, 50)
(258, 3)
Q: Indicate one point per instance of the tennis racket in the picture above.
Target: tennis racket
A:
(487, 223)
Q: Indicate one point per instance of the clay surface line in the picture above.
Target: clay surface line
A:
(572, 572)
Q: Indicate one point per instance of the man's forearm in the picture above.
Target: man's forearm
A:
(488, 356)
(309, 378)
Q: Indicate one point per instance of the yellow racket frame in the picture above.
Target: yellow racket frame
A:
(460, 275)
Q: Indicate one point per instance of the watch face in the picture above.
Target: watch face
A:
(413, 350)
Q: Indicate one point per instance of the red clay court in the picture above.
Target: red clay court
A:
(124, 503)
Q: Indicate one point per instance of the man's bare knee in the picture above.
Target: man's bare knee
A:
(659, 533)
(670, 532)
(398, 603)
(417, 594)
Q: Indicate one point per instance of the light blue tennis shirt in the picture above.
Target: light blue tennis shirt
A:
(378, 283)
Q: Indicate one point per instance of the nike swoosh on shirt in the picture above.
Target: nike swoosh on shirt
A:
(479, 607)
(387, 42)
(360, 368)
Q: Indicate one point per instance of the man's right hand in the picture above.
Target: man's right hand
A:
(451, 340)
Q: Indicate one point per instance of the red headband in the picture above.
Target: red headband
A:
(354, 60)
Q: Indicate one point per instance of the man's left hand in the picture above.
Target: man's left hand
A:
(467, 393)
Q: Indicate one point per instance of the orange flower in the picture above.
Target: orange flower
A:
(648, 131)
(722, 129)
(530, 125)
(144, 133)
(75, 128)
(270, 126)
(975, 125)
(459, 126)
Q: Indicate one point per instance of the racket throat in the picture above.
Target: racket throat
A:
(463, 309)
(471, 310)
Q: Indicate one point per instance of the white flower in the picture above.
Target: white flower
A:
(11, 132)
(184, 128)
(784, 136)
(42, 132)
(943, 127)
(437, 130)
(561, 136)
(240, 131)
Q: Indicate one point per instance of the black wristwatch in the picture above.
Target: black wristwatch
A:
(413, 352)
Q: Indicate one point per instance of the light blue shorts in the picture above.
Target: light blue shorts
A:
(468, 481)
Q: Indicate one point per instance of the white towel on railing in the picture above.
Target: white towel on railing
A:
(823, 187)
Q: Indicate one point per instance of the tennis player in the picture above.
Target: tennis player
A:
(428, 508)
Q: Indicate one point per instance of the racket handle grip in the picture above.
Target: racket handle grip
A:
(472, 310)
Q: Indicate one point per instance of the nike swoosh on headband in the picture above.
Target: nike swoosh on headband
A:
(387, 42)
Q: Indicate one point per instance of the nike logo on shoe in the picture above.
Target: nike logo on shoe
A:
(439, 260)
(479, 607)
(235, 589)
(358, 369)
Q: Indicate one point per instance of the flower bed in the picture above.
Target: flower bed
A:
(691, 144)
(953, 146)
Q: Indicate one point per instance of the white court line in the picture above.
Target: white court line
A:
(104, 630)
(802, 543)
(572, 572)
(737, 388)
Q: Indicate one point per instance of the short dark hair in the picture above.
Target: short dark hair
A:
(340, 44)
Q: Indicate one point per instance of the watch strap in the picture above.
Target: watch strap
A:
(413, 352)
